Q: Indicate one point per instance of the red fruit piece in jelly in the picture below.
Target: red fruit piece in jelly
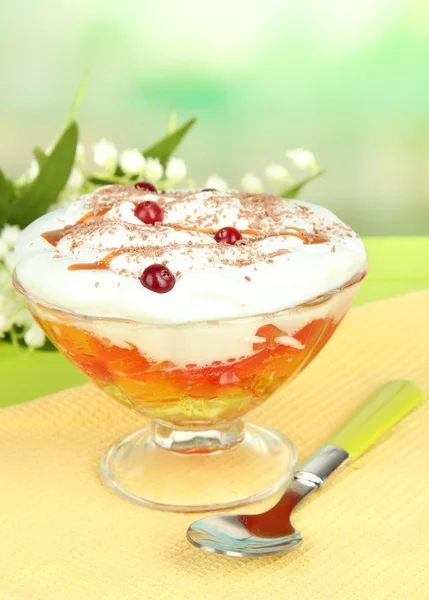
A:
(125, 361)
(270, 333)
(311, 333)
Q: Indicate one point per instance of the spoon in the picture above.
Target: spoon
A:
(271, 532)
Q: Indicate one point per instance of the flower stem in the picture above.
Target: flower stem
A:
(106, 178)
(14, 339)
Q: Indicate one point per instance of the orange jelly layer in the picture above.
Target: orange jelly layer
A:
(195, 394)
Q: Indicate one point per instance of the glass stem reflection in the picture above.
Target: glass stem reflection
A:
(195, 440)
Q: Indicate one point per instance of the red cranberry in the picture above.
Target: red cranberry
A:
(145, 185)
(157, 278)
(149, 212)
(228, 235)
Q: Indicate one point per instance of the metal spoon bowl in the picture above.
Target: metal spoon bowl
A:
(225, 534)
(271, 532)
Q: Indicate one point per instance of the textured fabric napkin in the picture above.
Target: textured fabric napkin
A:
(64, 536)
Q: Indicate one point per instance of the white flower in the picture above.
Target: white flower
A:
(13, 312)
(33, 171)
(251, 183)
(22, 318)
(105, 154)
(9, 234)
(4, 248)
(132, 162)
(30, 174)
(10, 260)
(217, 183)
(153, 169)
(277, 174)
(9, 303)
(303, 159)
(80, 155)
(75, 179)
(176, 169)
(5, 281)
(34, 336)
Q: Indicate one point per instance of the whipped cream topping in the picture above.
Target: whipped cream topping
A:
(87, 258)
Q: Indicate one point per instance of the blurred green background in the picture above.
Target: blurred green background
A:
(348, 80)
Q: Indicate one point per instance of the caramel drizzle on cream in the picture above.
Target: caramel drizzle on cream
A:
(99, 265)
(307, 238)
(54, 237)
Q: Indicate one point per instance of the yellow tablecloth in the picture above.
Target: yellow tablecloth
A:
(64, 536)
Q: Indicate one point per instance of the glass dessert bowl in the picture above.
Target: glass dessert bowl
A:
(195, 380)
(196, 409)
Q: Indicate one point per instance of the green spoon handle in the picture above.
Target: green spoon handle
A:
(383, 410)
(386, 407)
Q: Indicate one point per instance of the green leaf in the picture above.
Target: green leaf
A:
(77, 101)
(294, 190)
(40, 156)
(51, 179)
(6, 197)
(172, 121)
(165, 147)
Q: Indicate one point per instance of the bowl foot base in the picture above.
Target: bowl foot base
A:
(148, 474)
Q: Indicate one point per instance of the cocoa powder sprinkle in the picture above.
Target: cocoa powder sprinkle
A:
(263, 213)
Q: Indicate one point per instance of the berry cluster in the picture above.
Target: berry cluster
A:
(158, 278)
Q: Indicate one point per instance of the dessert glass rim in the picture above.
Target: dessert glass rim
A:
(354, 280)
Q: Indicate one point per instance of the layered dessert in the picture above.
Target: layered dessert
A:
(192, 306)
